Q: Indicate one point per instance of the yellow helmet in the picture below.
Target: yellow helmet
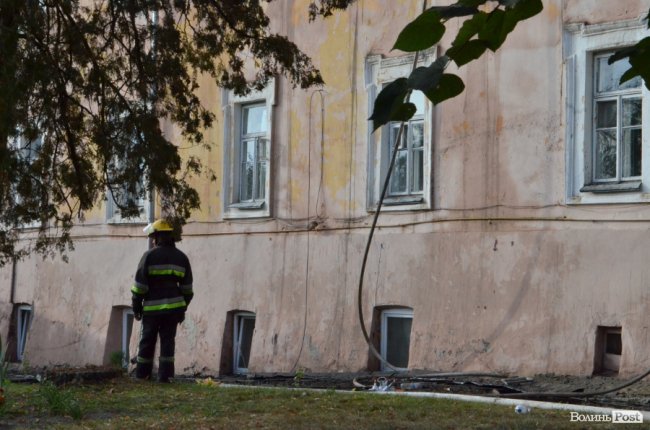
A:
(157, 226)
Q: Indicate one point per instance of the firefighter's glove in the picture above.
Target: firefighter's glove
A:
(136, 304)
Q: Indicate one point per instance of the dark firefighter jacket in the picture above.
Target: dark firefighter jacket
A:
(163, 282)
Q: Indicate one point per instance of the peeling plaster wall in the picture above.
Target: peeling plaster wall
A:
(501, 274)
(5, 301)
(72, 302)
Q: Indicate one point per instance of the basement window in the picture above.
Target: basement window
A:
(127, 329)
(23, 322)
(244, 326)
(118, 336)
(396, 337)
(609, 348)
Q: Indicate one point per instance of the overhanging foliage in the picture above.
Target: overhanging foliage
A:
(85, 85)
(482, 31)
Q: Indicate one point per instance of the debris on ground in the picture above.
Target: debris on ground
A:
(61, 375)
(636, 396)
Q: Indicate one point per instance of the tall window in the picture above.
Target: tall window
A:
(617, 126)
(247, 153)
(25, 187)
(608, 159)
(396, 337)
(410, 183)
(408, 174)
(253, 154)
(29, 149)
(120, 196)
(242, 340)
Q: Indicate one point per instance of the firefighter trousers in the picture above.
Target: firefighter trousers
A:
(154, 326)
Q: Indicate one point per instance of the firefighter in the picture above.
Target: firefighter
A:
(161, 293)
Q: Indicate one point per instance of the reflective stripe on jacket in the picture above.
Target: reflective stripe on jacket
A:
(163, 281)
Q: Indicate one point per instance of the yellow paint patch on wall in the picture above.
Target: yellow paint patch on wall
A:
(212, 158)
(299, 147)
(297, 187)
(552, 11)
(336, 54)
(462, 128)
(499, 124)
(337, 154)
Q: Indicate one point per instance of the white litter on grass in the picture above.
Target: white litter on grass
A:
(522, 409)
(382, 384)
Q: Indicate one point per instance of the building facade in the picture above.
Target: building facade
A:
(513, 238)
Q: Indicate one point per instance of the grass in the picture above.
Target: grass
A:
(124, 403)
(60, 402)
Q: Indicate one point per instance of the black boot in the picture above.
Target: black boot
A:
(165, 369)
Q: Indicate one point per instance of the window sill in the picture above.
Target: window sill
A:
(247, 210)
(255, 205)
(403, 200)
(30, 226)
(612, 187)
(402, 204)
(118, 221)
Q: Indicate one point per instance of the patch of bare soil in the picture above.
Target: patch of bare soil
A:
(61, 375)
(635, 396)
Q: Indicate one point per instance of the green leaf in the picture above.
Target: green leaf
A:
(474, 3)
(426, 78)
(404, 112)
(630, 73)
(640, 52)
(448, 86)
(639, 58)
(455, 10)
(470, 28)
(421, 33)
(389, 100)
(467, 52)
(501, 23)
(528, 8)
(492, 32)
(620, 54)
(510, 21)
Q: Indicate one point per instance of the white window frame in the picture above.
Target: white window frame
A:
(379, 72)
(583, 43)
(238, 320)
(260, 145)
(20, 144)
(383, 344)
(127, 331)
(113, 215)
(22, 328)
(618, 96)
(233, 107)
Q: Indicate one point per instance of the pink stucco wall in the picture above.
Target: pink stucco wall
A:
(502, 274)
